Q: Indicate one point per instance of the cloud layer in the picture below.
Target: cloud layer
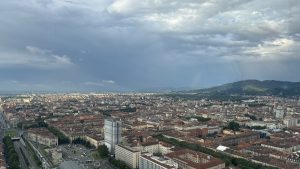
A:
(146, 44)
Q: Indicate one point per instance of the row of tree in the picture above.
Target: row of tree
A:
(118, 163)
(62, 139)
(11, 155)
(233, 126)
(103, 152)
(241, 163)
(83, 142)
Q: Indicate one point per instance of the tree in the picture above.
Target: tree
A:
(103, 151)
(234, 126)
(11, 155)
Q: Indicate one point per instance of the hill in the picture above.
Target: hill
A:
(245, 88)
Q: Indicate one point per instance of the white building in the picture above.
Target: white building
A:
(279, 112)
(129, 155)
(147, 161)
(156, 147)
(112, 133)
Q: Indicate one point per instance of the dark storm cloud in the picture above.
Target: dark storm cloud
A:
(132, 44)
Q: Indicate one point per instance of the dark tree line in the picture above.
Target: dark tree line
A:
(252, 117)
(242, 163)
(233, 126)
(102, 151)
(83, 142)
(62, 139)
(10, 153)
(118, 163)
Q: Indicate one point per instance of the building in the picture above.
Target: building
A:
(291, 122)
(279, 112)
(165, 148)
(150, 147)
(156, 147)
(112, 133)
(55, 155)
(128, 155)
(246, 137)
(283, 145)
(148, 161)
(188, 159)
(42, 136)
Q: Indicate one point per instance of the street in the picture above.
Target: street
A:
(84, 157)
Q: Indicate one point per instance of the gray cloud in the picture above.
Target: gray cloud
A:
(150, 43)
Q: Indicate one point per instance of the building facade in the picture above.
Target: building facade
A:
(148, 161)
(188, 159)
(291, 122)
(112, 133)
(128, 155)
(42, 136)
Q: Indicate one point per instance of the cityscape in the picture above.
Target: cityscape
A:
(149, 84)
(150, 130)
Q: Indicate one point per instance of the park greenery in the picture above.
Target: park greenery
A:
(118, 163)
(229, 161)
(11, 155)
(233, 126)
(102, 151)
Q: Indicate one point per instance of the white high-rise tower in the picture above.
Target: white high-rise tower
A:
(112, 133)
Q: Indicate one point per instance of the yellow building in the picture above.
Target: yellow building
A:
(42, 136)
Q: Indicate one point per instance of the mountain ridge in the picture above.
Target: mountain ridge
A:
(247, 88)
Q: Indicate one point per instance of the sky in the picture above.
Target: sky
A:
(131, 45)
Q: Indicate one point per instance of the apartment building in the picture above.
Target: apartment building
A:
(188, 159)
(129, 155)
(42, 136)
(148, 161)
(156, 147)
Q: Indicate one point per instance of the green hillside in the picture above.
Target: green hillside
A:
(245, 88)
